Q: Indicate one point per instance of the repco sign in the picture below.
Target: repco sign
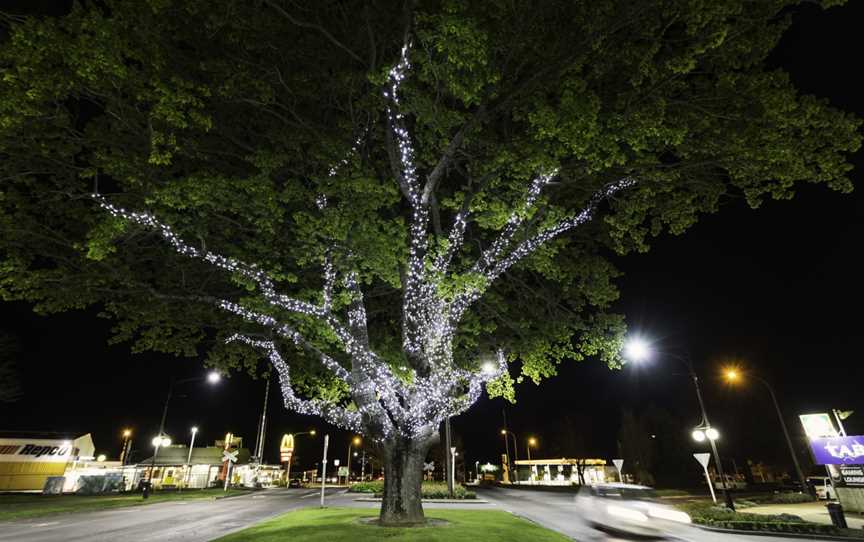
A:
(36, 451)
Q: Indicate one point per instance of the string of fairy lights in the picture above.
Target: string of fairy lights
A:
(414, 401)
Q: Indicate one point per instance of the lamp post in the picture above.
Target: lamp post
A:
(194, 432)
(355, 442)
(213, 377)
(506, 432)
(124, 449)
(531, 442)
(639, 350)
(732, 376)
(159, 441)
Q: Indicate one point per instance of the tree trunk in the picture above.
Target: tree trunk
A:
(403, 474)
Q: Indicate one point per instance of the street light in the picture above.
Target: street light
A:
(353, 442)
(194, 432)
(506, 432)
(532, 442)
(733, 375)
(638, 350)
(124, 449)
(213, 377)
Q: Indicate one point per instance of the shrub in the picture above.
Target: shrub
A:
(431, 490)
(790, 498)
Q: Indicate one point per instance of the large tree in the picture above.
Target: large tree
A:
(398, 202)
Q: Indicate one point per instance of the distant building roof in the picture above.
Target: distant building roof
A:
(561, 461)
(41, 435)
(177, 454)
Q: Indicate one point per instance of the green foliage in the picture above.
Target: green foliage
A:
(429, 490)
(790, 498)
(224, 119)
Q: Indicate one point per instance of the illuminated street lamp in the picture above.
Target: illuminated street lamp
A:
(705, 433)
(213, 377)
(124, 449)
(356, 441)
(532, 443)
(639, 350)
(506, 432)
(733, 376)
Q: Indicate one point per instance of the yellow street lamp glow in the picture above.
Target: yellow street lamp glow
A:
(312, 432)
(532, 441)
(356, 441)
(127, 433)
(503, 431)
(731, 374)
(100, 458)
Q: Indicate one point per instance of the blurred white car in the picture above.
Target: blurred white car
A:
(824, 489)
(630, 509)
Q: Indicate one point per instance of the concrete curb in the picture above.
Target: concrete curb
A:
(806, 536)
(437, 501)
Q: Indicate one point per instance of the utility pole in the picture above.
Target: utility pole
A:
(262, 428)
(324, 468)
(726, 496)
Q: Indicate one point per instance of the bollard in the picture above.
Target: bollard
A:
(835, 510)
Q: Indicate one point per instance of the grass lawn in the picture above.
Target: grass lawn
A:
(338, 524)
(28, 505)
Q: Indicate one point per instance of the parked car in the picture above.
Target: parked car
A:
(630, 509)
(824, 489)
(295, 482)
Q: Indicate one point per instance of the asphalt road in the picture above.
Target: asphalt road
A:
(556, 511)
(189, 521)
(204, 520)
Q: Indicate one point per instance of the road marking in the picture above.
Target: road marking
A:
(46, 524)
(309, 495)
(259, 496)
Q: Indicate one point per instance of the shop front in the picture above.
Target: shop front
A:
(27, 462)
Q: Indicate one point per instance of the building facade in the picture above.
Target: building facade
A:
(26, 462)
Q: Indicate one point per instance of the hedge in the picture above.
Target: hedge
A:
(431, 490)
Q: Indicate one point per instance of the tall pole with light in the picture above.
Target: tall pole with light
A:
(194, 432)
(506, 432)
(353, 442)
(732, 376)
(124, 449)
(532, 442)
(213, 377)
(639, 350)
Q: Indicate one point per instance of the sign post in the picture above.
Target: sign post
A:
(324, 468)
(618, 464)
(230, 458)
(703, 460)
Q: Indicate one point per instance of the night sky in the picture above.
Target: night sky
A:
(777, 290)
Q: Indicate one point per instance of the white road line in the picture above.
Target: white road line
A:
(46, 524)
(310, 495)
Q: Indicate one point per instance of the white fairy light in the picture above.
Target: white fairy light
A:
(434, 386)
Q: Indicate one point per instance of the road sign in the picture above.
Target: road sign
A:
(230, 456)
(618, 464)
(703, 459)
(429, 467)
(343, 471)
